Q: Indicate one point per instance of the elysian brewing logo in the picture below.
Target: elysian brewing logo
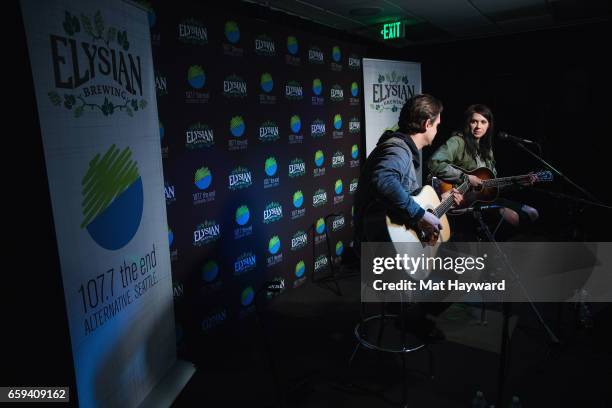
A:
(205, 233)
(264, 46)
(191, 31)
(338, 223)
(169, 193)
(315, 55)
(320, 263)
(297, 168)
(234, 87)
(240, 178)
(336, 93)
(391, 92)
(272, 213)
(198, 136)
(319, 198)
(196, 78)
(338, 159)
(294, 91)
(161, 84)
(317, 128)
(299, 240)
(353, 186)
(244, 263)
(354, 62)
(213, 320)
(93, 70)
(268, 131)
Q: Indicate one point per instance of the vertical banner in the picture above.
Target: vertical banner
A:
(95, 93)
(387, 85)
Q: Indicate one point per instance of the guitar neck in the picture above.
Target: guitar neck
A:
(505, 181)
(447, 203)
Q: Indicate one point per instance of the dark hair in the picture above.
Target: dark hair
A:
(416, 111)
(485, 146)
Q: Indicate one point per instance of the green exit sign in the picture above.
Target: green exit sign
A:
(390, 31)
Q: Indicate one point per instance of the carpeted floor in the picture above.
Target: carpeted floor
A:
(307, 340)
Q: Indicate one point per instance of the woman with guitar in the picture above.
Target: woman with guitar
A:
(468, 155)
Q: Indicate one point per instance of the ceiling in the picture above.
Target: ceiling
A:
(435, 21)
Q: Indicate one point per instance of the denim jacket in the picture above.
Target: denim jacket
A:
(388, 179)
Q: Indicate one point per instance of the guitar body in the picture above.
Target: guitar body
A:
(399, 232)
(485, 194)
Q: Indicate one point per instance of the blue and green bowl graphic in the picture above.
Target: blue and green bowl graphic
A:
(266, 82)
(274, 245)
(298, 199)
(196, 76)
(292, 45)
(203, 178)
(242, 215)
(112, 198)
(232, 32)
(338, 187)
(161, 130)
(237, 126)
(354, 89)
(247, 296)
(271, 167)
(355, 152)
(319, 158)
(320, 226)
(317, 86)
(210, 271)
(295, 123)
(339, 248)
(300, 268)
(338, 121)
(170, 237)
(336, 54)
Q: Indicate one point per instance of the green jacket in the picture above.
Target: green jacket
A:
(453, 152)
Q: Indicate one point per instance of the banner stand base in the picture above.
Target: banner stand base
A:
(170, 386)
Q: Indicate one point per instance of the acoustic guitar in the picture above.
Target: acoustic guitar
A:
(489, 190)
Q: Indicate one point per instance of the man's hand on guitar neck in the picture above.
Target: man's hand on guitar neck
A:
(457, 197)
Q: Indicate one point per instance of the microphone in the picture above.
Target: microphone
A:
(507, 136)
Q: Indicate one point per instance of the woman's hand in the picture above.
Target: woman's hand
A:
(474, 180)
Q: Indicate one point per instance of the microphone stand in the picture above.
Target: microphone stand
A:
(591, 197)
